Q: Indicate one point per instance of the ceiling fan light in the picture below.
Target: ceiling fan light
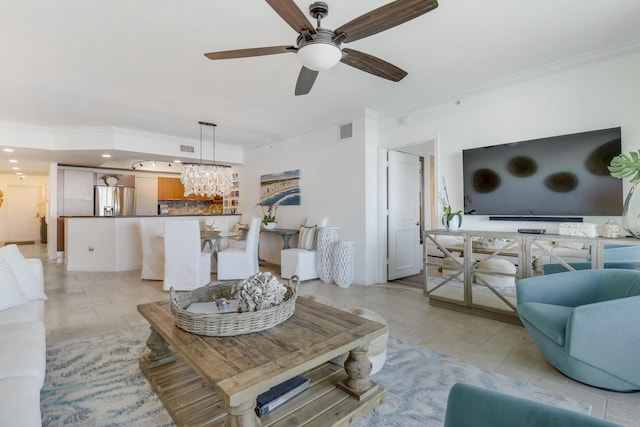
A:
(319, 56)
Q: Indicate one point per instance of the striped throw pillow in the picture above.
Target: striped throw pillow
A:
(307, 237)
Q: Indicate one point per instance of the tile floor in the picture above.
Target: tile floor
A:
(93, 303)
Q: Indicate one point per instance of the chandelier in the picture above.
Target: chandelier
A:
(206, 179)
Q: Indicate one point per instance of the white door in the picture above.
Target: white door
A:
(405, 252)
(24, 214)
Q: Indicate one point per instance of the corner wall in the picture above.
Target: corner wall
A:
(336, 182)
(589, 96)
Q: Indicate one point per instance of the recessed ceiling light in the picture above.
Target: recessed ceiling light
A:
(8, 150)
(13, 161)
(106, 155)
(18, 173)
(15, 168)
(177, 161)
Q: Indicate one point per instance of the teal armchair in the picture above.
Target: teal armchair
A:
(587, 324)
(472, 406)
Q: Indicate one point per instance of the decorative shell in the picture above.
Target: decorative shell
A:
(111, 180)
(259, 292)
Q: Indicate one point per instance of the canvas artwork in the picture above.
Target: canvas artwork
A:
(282, 188)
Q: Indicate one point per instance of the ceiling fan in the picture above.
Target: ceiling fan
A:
(319, 48)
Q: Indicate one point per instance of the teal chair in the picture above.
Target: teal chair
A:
(615, 256)
(472, 406)
(587, 324)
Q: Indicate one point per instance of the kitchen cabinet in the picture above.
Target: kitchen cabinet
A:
(172, 189)
(77, 190)
(146, 195)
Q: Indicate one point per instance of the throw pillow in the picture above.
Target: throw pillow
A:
(307, 237)
(27, 279)
(242, 229)
(10, 293)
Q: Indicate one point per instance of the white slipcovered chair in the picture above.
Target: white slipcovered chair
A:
(241, 228)
(186, 267)
(240, 263)
(151, 232)
(301, 261)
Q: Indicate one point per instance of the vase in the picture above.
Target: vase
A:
(269, 225)
(343, 263)
(611, 229)
(327, 238)
(631, 212)
(452, 222)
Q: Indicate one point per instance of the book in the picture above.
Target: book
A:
(277, 395)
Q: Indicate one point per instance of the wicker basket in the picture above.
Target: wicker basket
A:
(229, 324)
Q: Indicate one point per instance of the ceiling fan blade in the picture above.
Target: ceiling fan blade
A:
(371, 64)
(384, 17)
(258, 51)
(292, 15)
(305, 82)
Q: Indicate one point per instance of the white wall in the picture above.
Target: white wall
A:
(594, 95)
(336, 182)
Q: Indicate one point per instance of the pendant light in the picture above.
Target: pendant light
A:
(206, 179)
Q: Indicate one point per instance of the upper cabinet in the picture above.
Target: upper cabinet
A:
(146, 195)
(172, 189)
(77, 192)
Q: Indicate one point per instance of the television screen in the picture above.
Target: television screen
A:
(556, 176)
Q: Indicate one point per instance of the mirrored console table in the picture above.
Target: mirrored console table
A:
(475, 271)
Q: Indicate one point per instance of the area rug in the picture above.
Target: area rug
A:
(96, 382)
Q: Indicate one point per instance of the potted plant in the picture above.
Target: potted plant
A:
(451, 220)
(623, 166)
(269, 220)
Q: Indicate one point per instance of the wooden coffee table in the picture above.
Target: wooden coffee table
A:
(214, 381)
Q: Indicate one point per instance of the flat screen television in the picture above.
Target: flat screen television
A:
(563, 175)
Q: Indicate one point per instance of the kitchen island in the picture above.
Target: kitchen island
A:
(114, 243)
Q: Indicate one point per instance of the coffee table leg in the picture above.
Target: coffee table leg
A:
(358, 367)
(242, 415)
(159, 352)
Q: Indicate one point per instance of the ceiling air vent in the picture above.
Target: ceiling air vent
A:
(346, 131)
(187, 148)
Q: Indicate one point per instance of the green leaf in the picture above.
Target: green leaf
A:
(622, 166)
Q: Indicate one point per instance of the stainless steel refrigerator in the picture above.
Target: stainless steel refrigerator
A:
(114, 201)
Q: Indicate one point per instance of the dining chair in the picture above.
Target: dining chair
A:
(301, 261)
(186, 266)
(240, 263)
(151, 232)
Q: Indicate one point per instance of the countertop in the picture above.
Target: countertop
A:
(142, 216)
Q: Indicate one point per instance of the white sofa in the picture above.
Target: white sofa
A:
(22, 334)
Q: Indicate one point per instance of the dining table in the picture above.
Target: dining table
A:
(213, 238)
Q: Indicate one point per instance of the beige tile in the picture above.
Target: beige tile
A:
(92, 303)
(623, 412)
